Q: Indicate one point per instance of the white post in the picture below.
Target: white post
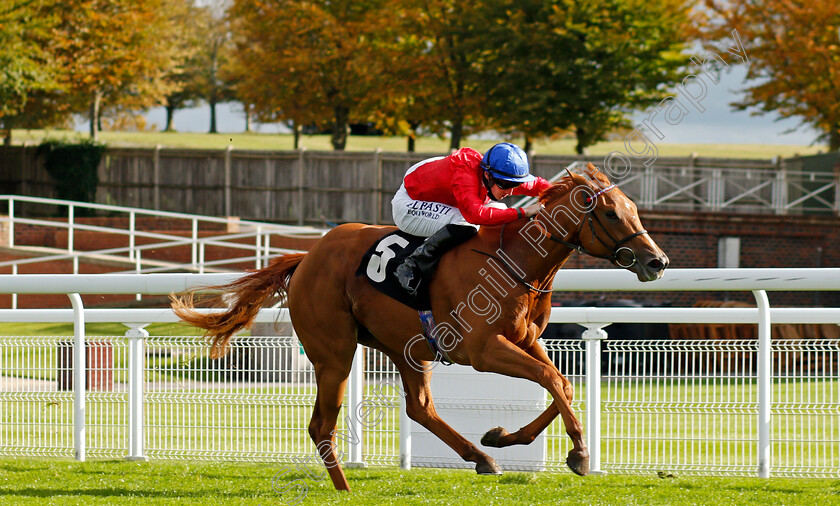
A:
(70, 219)
(14, 295)
(79, 370)
(258, 249)
(405, 436)
(194, 252)
(354, 398)
(136, 335)
(765, 383)
(593, 335)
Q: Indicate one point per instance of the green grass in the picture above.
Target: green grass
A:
(284, 142)
(64, 482)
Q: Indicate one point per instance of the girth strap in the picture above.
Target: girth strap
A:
(428, 323)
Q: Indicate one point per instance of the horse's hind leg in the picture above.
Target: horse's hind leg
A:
(332, 357)
(331, 384)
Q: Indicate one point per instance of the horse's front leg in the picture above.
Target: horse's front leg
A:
(498, 437)
(421, 409)
(499, 355)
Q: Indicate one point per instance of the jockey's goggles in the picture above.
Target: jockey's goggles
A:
(506, 185)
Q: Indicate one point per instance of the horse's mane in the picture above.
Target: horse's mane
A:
(557, 190)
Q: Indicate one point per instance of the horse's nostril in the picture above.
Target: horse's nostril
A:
(656, 265)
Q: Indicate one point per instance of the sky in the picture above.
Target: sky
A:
(717, 124)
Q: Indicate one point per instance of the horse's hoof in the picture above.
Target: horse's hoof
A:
(492, 437)
(578, 462)
(489, 466)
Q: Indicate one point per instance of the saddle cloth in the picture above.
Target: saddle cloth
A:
(380, 261)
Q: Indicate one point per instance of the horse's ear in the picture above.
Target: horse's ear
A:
(577, 179)
(597, 174)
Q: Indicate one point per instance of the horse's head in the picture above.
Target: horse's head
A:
(599, 219)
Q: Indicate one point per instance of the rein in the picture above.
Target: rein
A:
(507, 266)
(591, 219)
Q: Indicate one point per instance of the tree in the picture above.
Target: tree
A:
(580, 66)
(118, 51)
(453, 40)
(793, 49)
(186, 78)
(27, 69)
(309, 62)
(213, 55)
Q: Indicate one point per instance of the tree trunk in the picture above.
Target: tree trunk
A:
(212, 103)
(412, 135)
(529, 145)
(339, 128)
(834, 139)
(580, 133)
(247, 118)
(296, 131)
(170, 118)
(457, 132)
(6, 131)
(95, 103)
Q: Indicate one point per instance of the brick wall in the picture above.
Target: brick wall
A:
(689, 239)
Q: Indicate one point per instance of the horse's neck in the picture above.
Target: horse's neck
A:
(539, 258)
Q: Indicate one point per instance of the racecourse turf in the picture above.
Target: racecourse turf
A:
(62, 482)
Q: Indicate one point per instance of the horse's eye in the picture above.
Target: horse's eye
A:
(611, 215)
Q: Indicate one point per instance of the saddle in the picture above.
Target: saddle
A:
(378, 265)
(380, 261)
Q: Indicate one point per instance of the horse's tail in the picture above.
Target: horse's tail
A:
(244, 298)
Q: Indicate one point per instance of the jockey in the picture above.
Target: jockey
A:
(445, 199)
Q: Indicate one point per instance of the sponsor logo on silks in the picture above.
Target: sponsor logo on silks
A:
(429, 207)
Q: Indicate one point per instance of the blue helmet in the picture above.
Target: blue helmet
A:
(507, 162)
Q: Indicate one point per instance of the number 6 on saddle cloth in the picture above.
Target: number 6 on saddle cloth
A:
(378, 265)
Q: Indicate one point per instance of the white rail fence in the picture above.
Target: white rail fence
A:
(745, 407)
(145, 251)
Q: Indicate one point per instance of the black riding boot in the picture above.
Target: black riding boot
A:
(421, 263)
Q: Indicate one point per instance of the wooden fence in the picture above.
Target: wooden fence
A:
(295, 187)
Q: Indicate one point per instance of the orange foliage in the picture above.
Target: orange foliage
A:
(794, 53)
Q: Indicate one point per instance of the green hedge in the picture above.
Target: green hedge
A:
(74, 167)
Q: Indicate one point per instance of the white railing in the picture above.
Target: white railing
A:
(765, 190)
(757, 438)
(252, 239)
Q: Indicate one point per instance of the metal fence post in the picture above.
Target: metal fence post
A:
(592, 336)
(405, 436)
(79, 376)
(355, 390)
(136, 335)
(765, 383)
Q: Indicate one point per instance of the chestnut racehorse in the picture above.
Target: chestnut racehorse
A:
(332, 309)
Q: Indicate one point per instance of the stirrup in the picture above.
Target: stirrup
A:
(410, 284)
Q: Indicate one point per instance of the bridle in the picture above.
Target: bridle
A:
(591, 219)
